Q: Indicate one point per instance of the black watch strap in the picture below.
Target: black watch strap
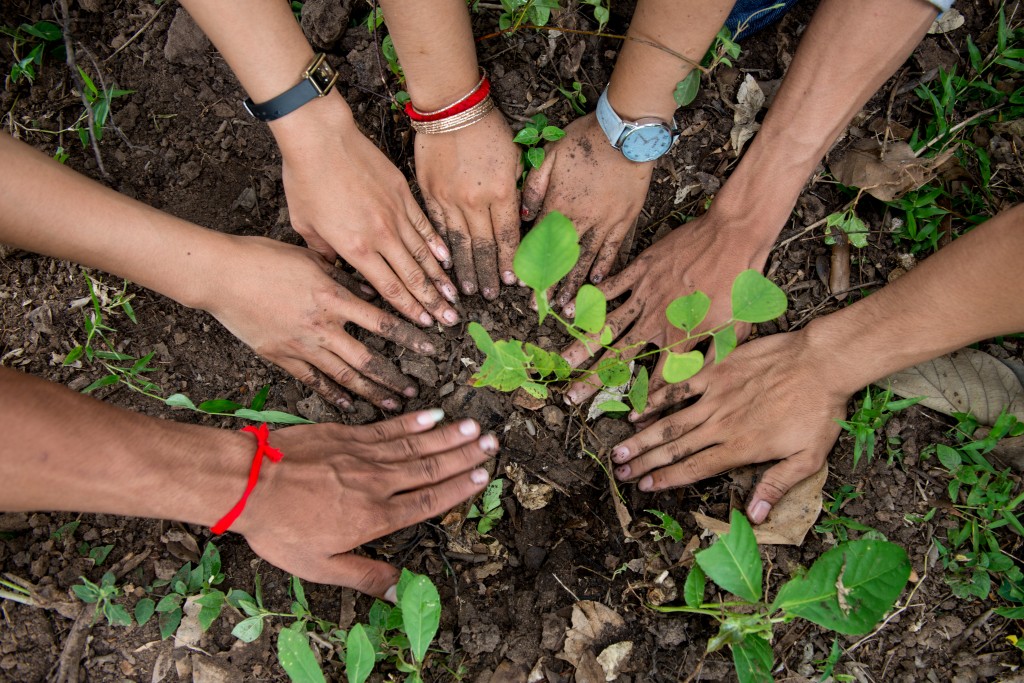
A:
(317, 81)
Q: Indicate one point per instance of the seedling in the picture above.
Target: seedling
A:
(40, 36)
(836, 523)
(922, 223)
(103, 595)
(532, 135)
(871, 416)
(532, 12)
(575, 96)
(544, 257)
(188, 582)
(99, 101)
(848, 590)
(667, 526)
(601, 12)
(490, 510)
(849, 224)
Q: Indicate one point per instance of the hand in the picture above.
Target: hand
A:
(283, 301)
(345, 197)
(770, 400)
(589, 181)
(705, 254)
(338, 487)
(468, 179)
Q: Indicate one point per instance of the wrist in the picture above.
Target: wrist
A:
(306, 127)
(828, 343)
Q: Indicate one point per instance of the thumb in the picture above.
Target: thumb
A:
(317, 243)
(777, 481)
(535, 188)
(363, 574)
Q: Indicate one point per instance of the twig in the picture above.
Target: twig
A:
(956, 129)
(138, 33)
(889, 618)
(567, 590)
(70, 49)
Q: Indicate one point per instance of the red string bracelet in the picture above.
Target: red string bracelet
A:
(478, 95)
(263, 447)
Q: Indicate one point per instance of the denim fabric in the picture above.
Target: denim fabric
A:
(754, 15)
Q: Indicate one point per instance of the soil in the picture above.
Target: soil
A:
(182, 142)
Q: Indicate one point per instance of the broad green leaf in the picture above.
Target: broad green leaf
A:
(1010, 612)
(85, 593)
(298, 592)
(756, 299)
(669, 525)
(271, 416)
(117, 615)
(613, 406)
(686, 89)
(542, 360)
(849, 588)
(169, 602)
(248, 630)
(180, 401)
(536, 390)
(219, 405)
(211, 603)
(725, 342)
(169, 622)
(613, 372)
(491, 497)
(693, 589)
(421, 615)
(680, 366)
(552, 133)
(144, 610)
(359, 655)
(547, 253)
(527, 136)
(504, 366)
(753, 658)
(591, 307)
(606, 336)
(733, 561)
(73, 355)
(949, 457)
(297, 658)
(535, 157)
(99, 553)
(638, 391)
(856, 232)
(688, 311)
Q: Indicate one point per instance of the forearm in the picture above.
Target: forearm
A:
(846, 54)
(645, 75)
(434, 42)
(972, 289)
(82, 221)
(65, 451)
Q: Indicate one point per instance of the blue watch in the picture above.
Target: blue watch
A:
(644, 140)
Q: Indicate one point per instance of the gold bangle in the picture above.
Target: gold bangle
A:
(459, 121)
(483, 75)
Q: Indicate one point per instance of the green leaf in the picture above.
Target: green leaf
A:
(613, 372)
(591, 307)
(686, 89)
(297, 658)
(756, 299)
(421, 615)
(99, 553)
(271, 416)
(101, 382)
(638, 391)
(606, 336)
(212, 603)
(260, 398)
(552, 133)
(169, 622)
(219, 405)
(180, 401)
(491, 497)
(536, 390)
(144, 610)
(1010, 612)
(725, 343)
(680, 366)
(359, 655)
(505, 362)
(117, 615)
(543, 361)
(688, 311)
(753, 658)
(299, 592)
(547, 253)
(849, 588)
(527, 136)
(856, 232)
(949, 457)
(535, 157)
(693, 589)
(248, 630)
(169, 602)
(613, 406)
(86, 593)
(73, 355)
(733, 561)
(669, 525)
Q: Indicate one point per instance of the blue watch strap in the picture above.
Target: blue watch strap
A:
(610, 122)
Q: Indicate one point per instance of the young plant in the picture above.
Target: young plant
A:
(490, 510)
(847, 590)
(530, 12)
(836, 523)
(922, 223)
(575, 96)
(189, 582)
(103, 595)
(40, 36)
(601, 12)
(99, 101)
(667, 526)
(532, 135)
(849, 224)
(871, 416)
(544, 257)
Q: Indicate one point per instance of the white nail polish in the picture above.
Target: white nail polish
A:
(478, 476)
(391, 594)
(430, 417)
(489, 443)
(467, 428)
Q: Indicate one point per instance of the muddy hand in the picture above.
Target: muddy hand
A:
(769, 401)
(298, 322)
(338, 487)
(600, 190)
(468, 179)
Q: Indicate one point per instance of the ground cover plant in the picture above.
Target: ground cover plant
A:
(507, 595)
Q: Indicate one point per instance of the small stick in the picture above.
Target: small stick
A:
(159, 9)
(575, 597)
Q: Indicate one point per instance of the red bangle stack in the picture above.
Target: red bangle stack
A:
(466, 111)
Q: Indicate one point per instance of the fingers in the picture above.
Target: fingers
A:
(372, 319)
(462, 254)
(340, 372)
(425, 278)
(666, 442)
(426, 230)
(320, 383)
(535, 188)
(605, 260)
(778, 480)
(589, 244)
(630, 346)
(371, 364)
(434, 469)
(617, 321)
(485, 254)
(394, 291)
(706, 463)
(317, 243)
(397, 427)
(506, 222)
(361, 573)
(436, 215)
(431, 501)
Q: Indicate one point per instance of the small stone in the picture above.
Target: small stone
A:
(554, 416)
(325, 21)
(186, 43)
(525, 400)
(534, 557)
(246, 200)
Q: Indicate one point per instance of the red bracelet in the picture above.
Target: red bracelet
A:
(475, 97)
(263, 447)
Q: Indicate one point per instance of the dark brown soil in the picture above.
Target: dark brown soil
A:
(184, 144)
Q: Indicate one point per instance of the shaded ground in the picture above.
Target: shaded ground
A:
(183, 144)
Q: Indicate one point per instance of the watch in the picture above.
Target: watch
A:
(643, 140)
(317, 81)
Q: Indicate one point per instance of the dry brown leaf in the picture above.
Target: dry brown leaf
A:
(614, 658)
(950, 20)
(885, 177)
(1009, 452)
(530, 496)
(965, 381)
(749, 100)
(790, 519)
(592, 622)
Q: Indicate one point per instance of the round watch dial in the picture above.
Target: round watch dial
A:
(646, 143)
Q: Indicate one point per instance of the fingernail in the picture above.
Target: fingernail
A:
(447, 265)
(596, 277)
(508, 277)
(489, 293)
(570, 309)
(425, 319)
(347, 407)
(633, 416)
(622, 472)
(620, 454)
(468, 288)
(570, 398)
(489, 443)
(442, 253)
(367, 289)
(410, 392)
(520, 283)
(478, 477)
(468, 428)
(450, 316)
(429, 418)
(427, 347)
(391, 594)
(390, 404)
(524, 213)
(759, 511)
(646, 484)
(449, 293)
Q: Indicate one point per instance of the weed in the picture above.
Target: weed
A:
(40, 36)
(601, 12)
(849, 224)
(532, 135)
(839, 525)
(667, 526)
(99, 101)
(545, 256)
(103, 595)
(490, 510)
(296, 6)
(533, 12)
(189, 581)
(922, 224)
(847, 590)
(871, 416)
(575, 96)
